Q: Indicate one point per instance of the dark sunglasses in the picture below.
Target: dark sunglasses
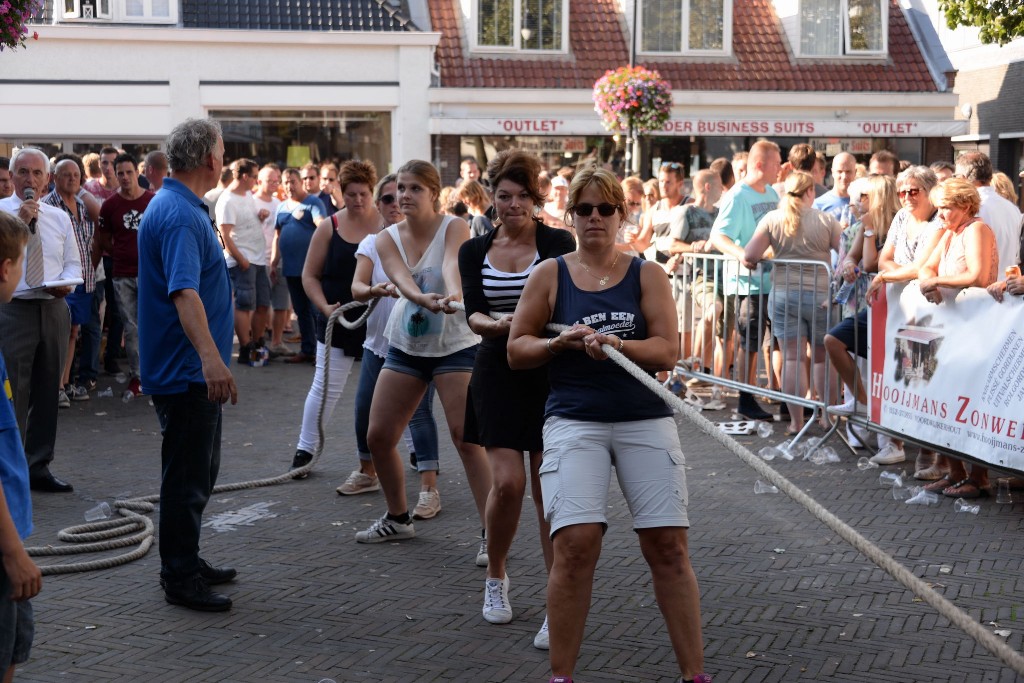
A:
(605, 209)
(387, 199)
(912, 192)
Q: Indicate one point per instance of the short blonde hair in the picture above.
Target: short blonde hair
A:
(606, 184)
(958, 193)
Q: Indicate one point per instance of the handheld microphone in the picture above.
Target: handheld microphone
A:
(30, 194)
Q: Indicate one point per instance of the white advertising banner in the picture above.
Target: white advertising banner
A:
(950, 374)
(713, 127)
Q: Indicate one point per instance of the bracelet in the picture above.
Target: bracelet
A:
(622, 343)
(551, 350)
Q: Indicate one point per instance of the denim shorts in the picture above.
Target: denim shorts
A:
(80, 304)
(17, 626)
(649, 464)
(426, 367)
(798, 314)
(252, 287)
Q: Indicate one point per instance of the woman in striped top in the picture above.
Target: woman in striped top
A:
(505, 408)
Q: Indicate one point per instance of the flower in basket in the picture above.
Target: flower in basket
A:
(14, 16)
(633, 95)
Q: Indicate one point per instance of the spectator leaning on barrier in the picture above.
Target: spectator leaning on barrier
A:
(837, 200)
(966, 256)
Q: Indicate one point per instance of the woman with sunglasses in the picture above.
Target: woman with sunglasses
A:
(327, 282)
(426, 343)
(371, 282)
(598, 416)
(505, 407)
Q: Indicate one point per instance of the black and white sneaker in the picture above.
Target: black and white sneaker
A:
(384, 530)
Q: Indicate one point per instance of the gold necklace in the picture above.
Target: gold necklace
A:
(603, 281)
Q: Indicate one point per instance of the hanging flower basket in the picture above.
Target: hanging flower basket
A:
(633, 95)
(14, 16)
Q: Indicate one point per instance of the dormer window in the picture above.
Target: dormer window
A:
(520, 25)
(684, 27)
(836, 28)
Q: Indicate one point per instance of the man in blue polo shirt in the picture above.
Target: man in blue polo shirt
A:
(185, 331)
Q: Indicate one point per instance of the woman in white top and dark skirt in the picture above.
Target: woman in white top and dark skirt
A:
(505, 407)
(420, 257)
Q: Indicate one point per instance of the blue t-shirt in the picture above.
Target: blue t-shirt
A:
(297, 225)
(13, 465)
(179, 248)
(833, 204)
(599, 390)
(737, 219)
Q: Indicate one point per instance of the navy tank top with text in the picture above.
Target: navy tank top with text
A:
(600, 391)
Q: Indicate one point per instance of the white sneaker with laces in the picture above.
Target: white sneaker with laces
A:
(428, 506)
(889, 455)
(62, 399)
(358, 482)
(497, 609)
(851, 407)
(542, 641)
(482, 560)
(384, 530)
(76, 392)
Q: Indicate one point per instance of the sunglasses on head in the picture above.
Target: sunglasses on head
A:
(911, 192)
(387, 199)
(605, 209)
(672, 164)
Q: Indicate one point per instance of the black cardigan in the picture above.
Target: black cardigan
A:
(551, 242)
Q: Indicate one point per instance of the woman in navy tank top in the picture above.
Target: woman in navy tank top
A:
(598, 417)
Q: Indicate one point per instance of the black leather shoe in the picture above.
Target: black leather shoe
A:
(194, 593)
(214, 575)
(48, 483)
(301, 459)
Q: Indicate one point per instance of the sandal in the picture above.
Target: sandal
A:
(932, 473)
(939, 484)
(965, 488)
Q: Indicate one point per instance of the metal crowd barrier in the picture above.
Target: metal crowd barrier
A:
(709, 306)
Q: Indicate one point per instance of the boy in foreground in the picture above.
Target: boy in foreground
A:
(20, 578)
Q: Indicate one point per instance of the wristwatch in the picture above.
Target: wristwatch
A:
(869, 233)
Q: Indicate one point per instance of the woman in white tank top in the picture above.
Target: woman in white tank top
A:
(429, 340)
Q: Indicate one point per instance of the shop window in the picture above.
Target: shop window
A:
(127, 11)
(521, 25)
(836, 28)
(685, 26)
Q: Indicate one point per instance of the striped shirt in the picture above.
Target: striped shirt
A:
(502, 289)
(84, 231)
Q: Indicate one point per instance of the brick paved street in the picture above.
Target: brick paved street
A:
(311, 604)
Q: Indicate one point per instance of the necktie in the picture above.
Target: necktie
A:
(34, 260)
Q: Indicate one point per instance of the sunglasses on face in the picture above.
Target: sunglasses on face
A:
(387, 199)
(910, 192)
(605, 209)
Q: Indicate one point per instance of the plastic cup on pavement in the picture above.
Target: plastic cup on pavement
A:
(961, 505)
(761, 487)
(765, 429)
(769, 453)
(97, 512)
(866, 464)
(1003, 494)
(890, 479)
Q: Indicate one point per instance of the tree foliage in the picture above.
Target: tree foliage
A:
(1000, 21)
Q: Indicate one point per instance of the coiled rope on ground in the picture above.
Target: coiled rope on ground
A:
(93, 537)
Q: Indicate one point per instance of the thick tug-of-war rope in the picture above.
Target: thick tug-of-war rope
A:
(134, 528)
(91, 537)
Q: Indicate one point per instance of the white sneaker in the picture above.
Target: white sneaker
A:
(851, 407)
(384, 530)
(890, 455)
(62, 399)
(358, 482)
(428, 506)
(497, 609)
(853, 438)
(77, 392)
(482, 560)
(542, 641)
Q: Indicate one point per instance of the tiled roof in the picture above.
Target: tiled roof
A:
(294, 15)
(761, 59)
